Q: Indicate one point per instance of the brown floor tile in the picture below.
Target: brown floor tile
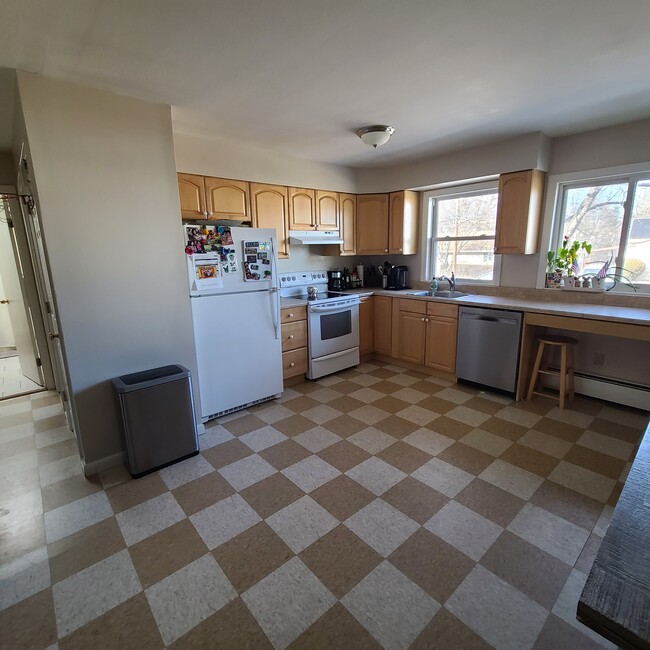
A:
(539, 405)
(231, 628)
(21, 538)
(449, 427)
(404, 456)
(491, 502)
(504, 428)
(307, 387)
(388, 388)
(446, 632)
(346, 387)
(568, 504)
(252, 555)
(381, 373)
(340, 560)
(586, 405)
(595, 461)
(483, 405)
(437, 405)
(57, 451)
(129, 625)
(344, 425)
(530, 459)
(396, 426)
(390, 404)
(467, 458)
(432, 564)
(300, 404)
(528, 568)
(284, 454)
(416, 374)
(294, 425)
(202, 492)
(15, 419)
(15, 447)
(342, 497)
(134, 492)
(427, 387)
(244, 424)
(271, 494)
(350, 373)
(345, 404)
(337, 628)
(563, 430)
(588, 554)
(226, 453)
(344, 455)
(47, 424)
(616, 430)
(45, 400)
(84, 548)
(165, 552)
(559, 635)
(415, 499)
(29, 624)
(64, 492)
(615, 495)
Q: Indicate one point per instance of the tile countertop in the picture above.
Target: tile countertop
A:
(582, 310)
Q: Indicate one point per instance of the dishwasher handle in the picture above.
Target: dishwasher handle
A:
(490, 319)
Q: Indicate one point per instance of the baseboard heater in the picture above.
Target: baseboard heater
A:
(610, 390)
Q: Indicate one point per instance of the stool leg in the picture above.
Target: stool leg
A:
(533, 377)
(563, 372)
(572, 378)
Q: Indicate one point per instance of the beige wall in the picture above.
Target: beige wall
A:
(106, 184)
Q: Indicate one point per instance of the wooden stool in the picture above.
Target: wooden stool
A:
(565, 344)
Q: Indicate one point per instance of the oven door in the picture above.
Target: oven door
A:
(332, 329)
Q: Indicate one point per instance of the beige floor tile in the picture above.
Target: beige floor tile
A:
(557, 634)
(29, 624)
(466, 458)
(423, 550)
(446, 631)
(404, 456)
(504, 428)
(523, 418)
(588, 554)
(468, 416)
(17, 446)
(317, 439)
(324, 395)
(202, 492)
(547, 444)
(134, 492)
(342, 497)
(417, 415)
(21, 538)
(443, 477)
(251, 556)
(406, 380)
(606, 445)
(415, 499)
(372, 440)
(361, 380)
(271, 494)
(568, 504)
(57, 451)
(7, 421)
(515, 480)
(491, 502)
(410, 395)
(428, 441)
(345, 426)
(584, 481)
(456, 394)
(570, 416)
(340, 560)
(84, 548)
(227, 453)
(46, 424)
(321, 413)
(486, 442)
(367, 395)
(368, 414)
(396, 426)
(449, 427)
(595, 461)
(76, 487)
(530, 459)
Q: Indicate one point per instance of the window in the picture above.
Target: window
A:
(613, 215)
(462, 228)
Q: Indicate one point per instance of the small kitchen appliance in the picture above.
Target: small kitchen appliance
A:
(335, 280)
(398, 278)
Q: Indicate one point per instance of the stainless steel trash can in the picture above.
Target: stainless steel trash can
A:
(157, 417)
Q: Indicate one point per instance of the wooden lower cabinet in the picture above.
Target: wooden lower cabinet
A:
(382, 324)
(442, 332)
(366, 325)
(412, 336)
(294, 341)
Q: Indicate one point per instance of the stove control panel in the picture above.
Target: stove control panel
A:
(302, 278)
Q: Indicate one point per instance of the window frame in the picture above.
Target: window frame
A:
(428, 209)
(553, 228)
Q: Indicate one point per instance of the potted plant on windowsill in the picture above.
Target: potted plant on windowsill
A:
(564, 262)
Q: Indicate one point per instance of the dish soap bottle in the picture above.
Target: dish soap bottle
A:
(434, 285)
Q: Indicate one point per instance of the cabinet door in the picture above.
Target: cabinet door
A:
(327, 210)
(348, 215)
(412, 330)
(191, 191)
(403, 223)
(518, 212)
(227, 199)
(372, 224)
(441, 343)
(301, 209)
(366, 327)
(382, 324)
(269, 210)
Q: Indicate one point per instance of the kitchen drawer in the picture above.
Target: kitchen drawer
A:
(294, 335)
(291, 314)
(442, 309)
(294, 363)
(414, 306)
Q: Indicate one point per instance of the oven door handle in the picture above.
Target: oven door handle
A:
(333, 308)
(333, 355)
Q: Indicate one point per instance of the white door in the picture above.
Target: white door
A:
(20, 314)
(238, 349)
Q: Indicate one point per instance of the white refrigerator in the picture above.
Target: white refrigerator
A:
(236, 315)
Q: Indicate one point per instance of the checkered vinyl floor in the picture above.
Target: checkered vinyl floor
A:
(375, 508)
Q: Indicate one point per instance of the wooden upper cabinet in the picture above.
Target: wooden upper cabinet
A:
(404, 220)
(372, 224)
(382, 324)
(302, 208)
(227, 199)
(327, 210)
(269, 208)
(348, 216)
(191, 191)
(518, 212)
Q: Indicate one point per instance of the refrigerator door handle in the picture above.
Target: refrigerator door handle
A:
(275, 297)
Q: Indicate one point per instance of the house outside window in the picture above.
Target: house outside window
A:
(461, 232)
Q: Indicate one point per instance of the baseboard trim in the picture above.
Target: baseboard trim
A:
(104, 463)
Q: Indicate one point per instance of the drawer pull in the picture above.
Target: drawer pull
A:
(290, 315)
(292, 364)
(290, 336)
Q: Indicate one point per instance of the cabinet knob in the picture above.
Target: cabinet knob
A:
(385, 250)
(290, 315)
(292, 364)
(210, 213)
(400, 250)
(427, 320)
(290, 336)
(205, 213)
(423, 320)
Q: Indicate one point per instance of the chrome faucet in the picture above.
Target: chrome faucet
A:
(451, 280)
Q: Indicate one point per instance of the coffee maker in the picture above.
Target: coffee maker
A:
(335, 280)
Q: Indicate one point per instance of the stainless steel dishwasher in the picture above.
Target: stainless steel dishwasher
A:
(488, 347)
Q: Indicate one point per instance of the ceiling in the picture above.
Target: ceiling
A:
(299, 76)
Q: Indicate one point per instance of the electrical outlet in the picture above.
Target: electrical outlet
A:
(599, 358)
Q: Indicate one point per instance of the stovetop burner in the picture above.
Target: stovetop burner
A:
(322, 295)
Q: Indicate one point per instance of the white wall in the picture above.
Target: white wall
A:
(6, 332)
(106, 186)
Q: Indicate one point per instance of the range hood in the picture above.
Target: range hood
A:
(315, 237)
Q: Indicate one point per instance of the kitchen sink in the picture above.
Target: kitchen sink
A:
(449, 294)
(416, 293)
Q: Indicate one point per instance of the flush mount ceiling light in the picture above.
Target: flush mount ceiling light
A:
(375, 136)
